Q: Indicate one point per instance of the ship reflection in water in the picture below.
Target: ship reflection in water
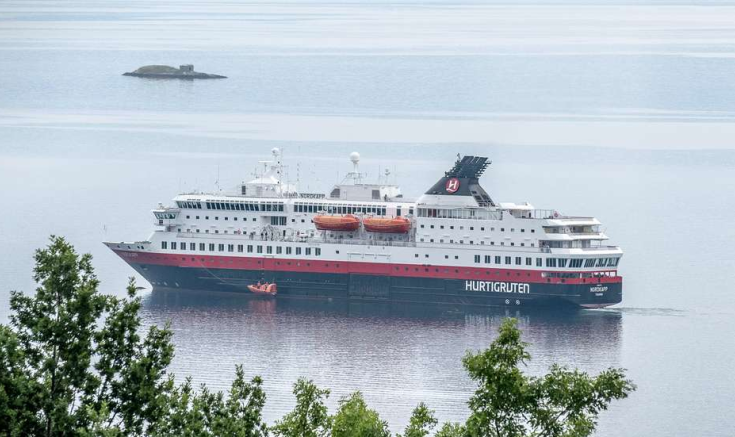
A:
(397, 355)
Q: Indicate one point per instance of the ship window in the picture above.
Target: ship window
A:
(211, 247)
(451, 227)
(502, 229)
(307, 251)
(563, 262)
(512, 244)
(269, 249)
(523, 230)
(538, 262)
(188, 216)
(250, 248)
(221, 247)
(529, 261)
(441, 227)
(259, 249)
(288, 250)
(426, 255)
(216, 218)
(512, 229)
(477, 259)
(472, 228)
(202, 247)
(518, 260)
(318, 252)
(432, 226)
(230, 247)
(456, 257)
(239, 248)
(279, 250)
(482, 229)
(416, 255)
(492, 243)
(197, 217)
(173, 245)
(422, 226)
(589, 263)
(192, 246)
(206, 217)
(488, 259)
(507, 260)
(164, 244)
(298, 251)
(550, 262)
(497, 260)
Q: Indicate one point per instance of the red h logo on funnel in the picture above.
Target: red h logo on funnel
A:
(452, 185)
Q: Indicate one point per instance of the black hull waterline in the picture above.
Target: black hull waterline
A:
(380, 288)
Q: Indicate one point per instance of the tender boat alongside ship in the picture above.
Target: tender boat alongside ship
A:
(454, 245)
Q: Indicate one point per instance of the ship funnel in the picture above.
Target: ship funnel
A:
(463, 179)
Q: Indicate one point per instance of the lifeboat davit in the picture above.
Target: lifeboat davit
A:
(269, 289)
(336, 222)
(396, 225)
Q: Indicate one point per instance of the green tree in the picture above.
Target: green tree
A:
(509, 403)
(421, 423)
(450, 429)
(309, 417)
(355, 419)
(19, 399)
(207, 414)
(79, 353)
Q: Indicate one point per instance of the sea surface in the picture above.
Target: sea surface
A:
(621, 110)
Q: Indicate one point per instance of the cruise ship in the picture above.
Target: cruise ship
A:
(453, 245)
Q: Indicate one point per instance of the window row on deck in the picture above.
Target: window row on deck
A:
(240, 248)
(330, 208)
(573, 263)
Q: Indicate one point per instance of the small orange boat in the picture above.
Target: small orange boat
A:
(395, 225)
(336, 222)
(265, 288)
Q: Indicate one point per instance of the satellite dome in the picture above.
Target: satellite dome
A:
(355, 157)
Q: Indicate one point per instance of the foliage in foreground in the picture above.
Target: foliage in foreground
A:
(76, 362)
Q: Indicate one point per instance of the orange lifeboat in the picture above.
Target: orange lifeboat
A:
(268, 289)
(396, 225)
(336, 222)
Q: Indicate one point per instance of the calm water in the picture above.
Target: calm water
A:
(624, 112)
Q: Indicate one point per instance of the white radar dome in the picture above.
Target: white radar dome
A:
(355, 157)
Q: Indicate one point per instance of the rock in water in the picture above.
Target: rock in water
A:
(165, 72)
